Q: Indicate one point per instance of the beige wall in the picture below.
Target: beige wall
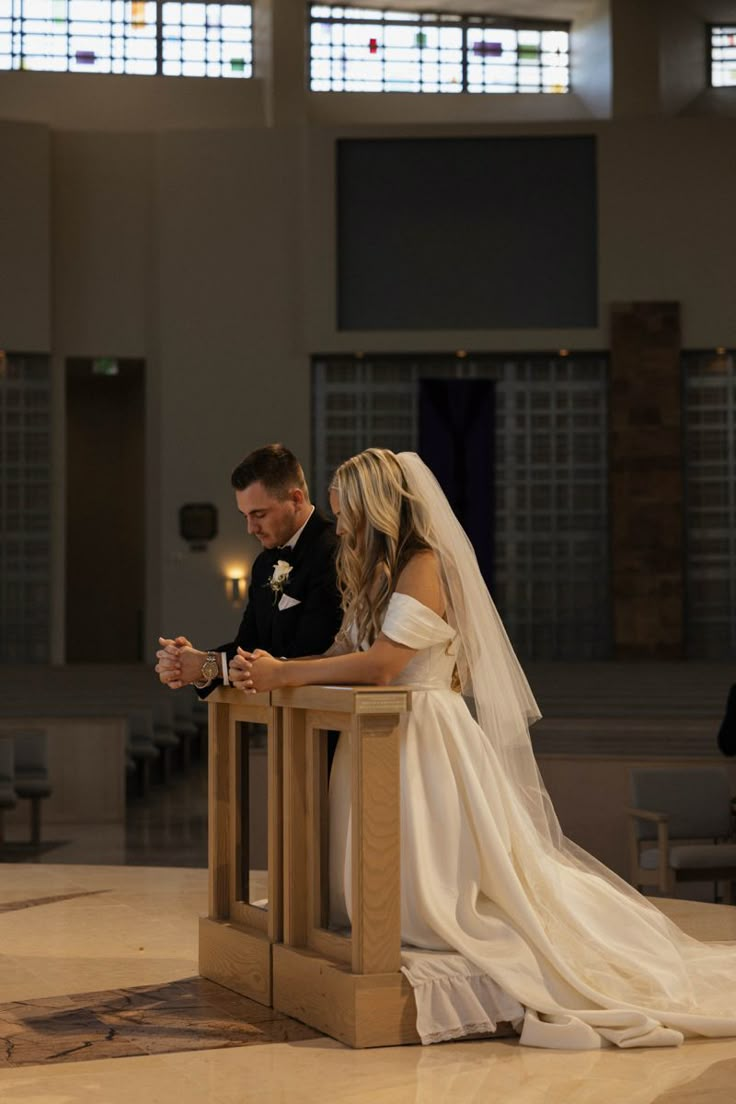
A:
(25, 185)
(93, 101)
(102, 224)
(192, 224)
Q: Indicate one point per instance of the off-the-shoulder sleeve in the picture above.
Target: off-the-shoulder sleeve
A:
(409, 622)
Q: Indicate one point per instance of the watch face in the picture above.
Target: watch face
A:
(210, 668)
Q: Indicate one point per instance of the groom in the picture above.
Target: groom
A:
(293, 603)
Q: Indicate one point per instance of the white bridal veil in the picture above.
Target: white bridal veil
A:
(598, 943)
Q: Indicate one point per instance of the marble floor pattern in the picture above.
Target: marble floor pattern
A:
(191, 1014)
(100, 1004)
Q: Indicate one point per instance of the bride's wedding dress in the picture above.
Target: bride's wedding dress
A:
(500, 921)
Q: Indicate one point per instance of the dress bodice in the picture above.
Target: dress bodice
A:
(413, 624)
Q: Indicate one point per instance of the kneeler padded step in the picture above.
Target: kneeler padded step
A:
(360, 1010)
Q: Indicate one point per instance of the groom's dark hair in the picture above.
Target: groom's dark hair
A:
(275, 466)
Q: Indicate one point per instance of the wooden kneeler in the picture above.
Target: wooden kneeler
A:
(236, 938)
(349, 987)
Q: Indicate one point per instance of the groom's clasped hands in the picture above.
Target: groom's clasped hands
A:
(254, 672)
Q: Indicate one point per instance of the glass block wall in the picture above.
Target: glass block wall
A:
(710, 488)
(551, 519)
(25, 526)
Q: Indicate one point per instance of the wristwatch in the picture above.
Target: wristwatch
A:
(210, 670)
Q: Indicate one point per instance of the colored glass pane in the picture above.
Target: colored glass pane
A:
(369, 50)
(723, 56)
(121, 36)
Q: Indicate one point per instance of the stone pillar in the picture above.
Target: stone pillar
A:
(635, 55)
(646, 481)
(280, 48)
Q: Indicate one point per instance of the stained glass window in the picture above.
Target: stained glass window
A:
(723, 56)
(372, 50)
(127, 36)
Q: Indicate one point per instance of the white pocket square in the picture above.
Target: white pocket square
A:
(286, 602)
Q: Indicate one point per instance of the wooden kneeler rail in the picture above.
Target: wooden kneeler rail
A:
(350, 987)
(236, 938)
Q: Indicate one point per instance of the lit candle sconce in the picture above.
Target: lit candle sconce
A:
(235, 586)
(720, 362)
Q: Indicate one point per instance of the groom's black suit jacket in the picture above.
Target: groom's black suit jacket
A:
(307, 628)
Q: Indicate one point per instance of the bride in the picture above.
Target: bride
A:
(502, 917)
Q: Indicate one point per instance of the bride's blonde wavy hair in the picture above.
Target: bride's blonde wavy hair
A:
(383, 527)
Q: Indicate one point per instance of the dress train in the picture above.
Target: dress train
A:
(494, 929)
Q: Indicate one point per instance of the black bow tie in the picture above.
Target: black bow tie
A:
(275, 554)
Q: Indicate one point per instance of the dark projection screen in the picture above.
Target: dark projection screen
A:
(467, 233)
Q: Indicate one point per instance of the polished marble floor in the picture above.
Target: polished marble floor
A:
(102, 960)
(100, 1002)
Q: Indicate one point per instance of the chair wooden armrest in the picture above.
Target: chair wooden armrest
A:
(647, 814)
(664, 877)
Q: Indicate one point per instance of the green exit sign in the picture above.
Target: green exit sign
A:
(105, 366)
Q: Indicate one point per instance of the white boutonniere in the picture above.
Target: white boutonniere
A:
(279, 577)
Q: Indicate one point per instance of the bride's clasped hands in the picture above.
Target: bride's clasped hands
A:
(255, 672)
